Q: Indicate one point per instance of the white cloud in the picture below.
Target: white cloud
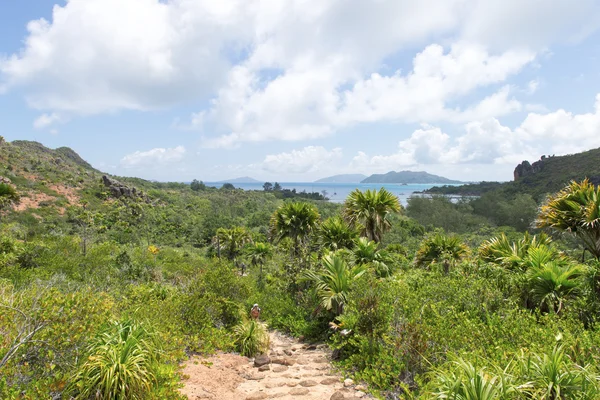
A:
(489, 142)
(46, 120)
(281, 69)
(153, 158)
(306, 160)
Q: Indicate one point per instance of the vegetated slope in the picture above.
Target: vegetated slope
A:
(343, 178)
(548, 175)
(44, 177)
(407, 177)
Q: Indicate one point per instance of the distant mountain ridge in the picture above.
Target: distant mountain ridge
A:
(243, 179)
(408, 177)
(343, 178)
(547, 175)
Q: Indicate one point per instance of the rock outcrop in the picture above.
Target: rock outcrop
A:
(525, 168)
(118, 189)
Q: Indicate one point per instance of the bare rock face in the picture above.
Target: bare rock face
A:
(118, 189)
(525, 168)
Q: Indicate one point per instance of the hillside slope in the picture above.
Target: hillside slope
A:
(407, 177)
(548, 175)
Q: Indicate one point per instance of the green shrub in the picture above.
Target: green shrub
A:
(122, 364)
(251, 338)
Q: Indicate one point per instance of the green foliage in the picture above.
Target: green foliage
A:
(122, 364)
(295, 221)
(251, 338)
(332, 282)
(370, 211)
(553, 282)
(197, 185)
(575, 209)
(512, 255)
(441, 249)
(335, 234)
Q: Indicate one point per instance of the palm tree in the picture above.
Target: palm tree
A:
(295, 221)
(513, 255)
(231, 241)
(551, 282)
(371, 210)
(259, 254)
(575, 209)
(335, 234)
(333, 281)
(441, 248)
(366, 252)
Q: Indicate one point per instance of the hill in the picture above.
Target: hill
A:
(243, 179)
(407, 177)
(547, 175)
(343, 178)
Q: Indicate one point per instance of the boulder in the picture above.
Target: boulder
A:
(261, 360)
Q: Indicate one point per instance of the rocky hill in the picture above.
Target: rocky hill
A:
(47, 180)
(547, 175)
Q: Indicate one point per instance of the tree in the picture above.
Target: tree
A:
(228, 186)
(371, 210)
(332, 283)
(277, 187)
(335, 234)
(295, 221)
(512, 255)
(259, 253)
(576, 210)
(231, 241)
(366, 252)
(268, 186)
(197, 185)
(552, 279)
(441, 248)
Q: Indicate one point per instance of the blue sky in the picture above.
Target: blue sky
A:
(295, 90)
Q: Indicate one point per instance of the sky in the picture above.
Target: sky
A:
(297, 90)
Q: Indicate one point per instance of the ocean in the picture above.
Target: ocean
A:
(337, 192)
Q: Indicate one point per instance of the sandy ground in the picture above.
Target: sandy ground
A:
(295, 371)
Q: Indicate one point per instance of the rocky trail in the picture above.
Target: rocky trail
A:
(291, 370)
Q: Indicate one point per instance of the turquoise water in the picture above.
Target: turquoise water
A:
(337, 192)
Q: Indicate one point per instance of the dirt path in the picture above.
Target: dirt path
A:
(292, 371)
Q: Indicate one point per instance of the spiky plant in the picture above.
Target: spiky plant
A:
(259, 253)
(441, 249)
(251, 337)
(553, 282)
(500, 250)
(332, 282)
(370, 211)
(336, 234)
(230, 242)
(366, 252)
(576, 210)
(295, 221)
(122, 364)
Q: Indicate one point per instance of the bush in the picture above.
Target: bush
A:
(122, 364)
(251, 338)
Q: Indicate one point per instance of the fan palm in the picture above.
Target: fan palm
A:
(575, 209)
(500, 250)
(295, 221)
(552, 282)
(366, 252)
(441, 248)
(335, 234)
(333, 281)
(259, 253)
(231, 241)
(371, 210)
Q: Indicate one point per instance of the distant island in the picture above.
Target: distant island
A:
(407, 177)
(243, 179)
(343, 178)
